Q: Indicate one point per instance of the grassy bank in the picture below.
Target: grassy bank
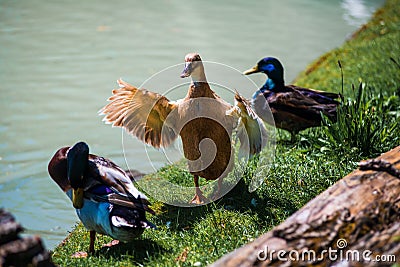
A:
(199, 236)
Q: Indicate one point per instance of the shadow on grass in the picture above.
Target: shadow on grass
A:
(238, 199)
(138, 251)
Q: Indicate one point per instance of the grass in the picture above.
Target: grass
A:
(367, 122)
(300, 171)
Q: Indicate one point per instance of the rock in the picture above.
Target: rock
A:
(20, 251)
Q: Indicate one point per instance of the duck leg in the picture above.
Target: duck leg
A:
(92, 239)
(292, 137)
(217, 193)
(84, 254)
(198, 198)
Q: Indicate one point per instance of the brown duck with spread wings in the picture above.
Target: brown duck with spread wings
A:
(203, 120)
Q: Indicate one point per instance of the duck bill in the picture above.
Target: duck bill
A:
(187, 70)
(77, 198)
(251, 71)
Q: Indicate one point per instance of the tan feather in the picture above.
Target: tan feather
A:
(141, 113)
(251, 131)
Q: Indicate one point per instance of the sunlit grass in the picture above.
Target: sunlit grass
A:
(367, 122)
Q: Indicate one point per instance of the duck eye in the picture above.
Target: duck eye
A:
(270, 67)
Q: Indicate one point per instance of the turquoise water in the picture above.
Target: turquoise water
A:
(59, 61)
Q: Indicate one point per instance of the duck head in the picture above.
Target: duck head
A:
(57, 168)
(194, 68)
(77, 161)
(272, 68)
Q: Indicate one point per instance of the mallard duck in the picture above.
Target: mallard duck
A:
(293, 108)
(203, 120)
(103, 195)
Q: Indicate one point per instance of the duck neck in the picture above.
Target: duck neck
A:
(199, 89)
(198, 75)
(273, 85)
(199, 86)
(57, 169)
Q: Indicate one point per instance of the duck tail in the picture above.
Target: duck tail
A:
(146, 224)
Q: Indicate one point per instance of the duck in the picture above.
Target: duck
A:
(103, 195)
(293, 108)
(202, 119)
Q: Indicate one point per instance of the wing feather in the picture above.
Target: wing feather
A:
(141, 113)
(107, 173)
(300, 105)
(321, 97)
(251, 131)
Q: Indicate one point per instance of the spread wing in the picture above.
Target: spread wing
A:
(141, 113)
(251, 130)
